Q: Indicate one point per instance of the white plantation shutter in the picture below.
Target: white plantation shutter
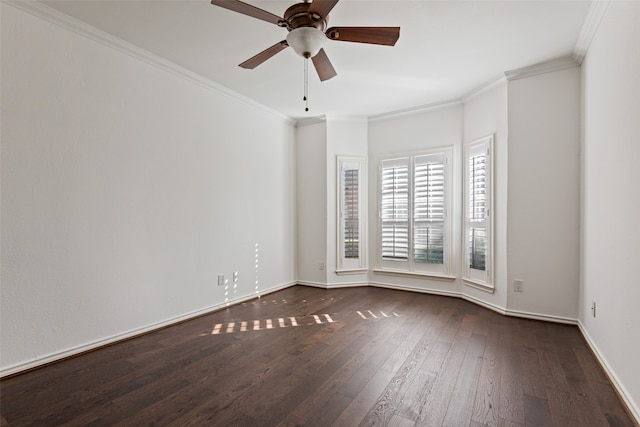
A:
(352, 211)
(428, 209)
(477, 206)
(394, 209)
(414, 194)
(478, 224)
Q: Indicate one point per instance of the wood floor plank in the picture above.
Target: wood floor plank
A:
(354, 414)
(337, 375)
(532, 385)
(417, 390)
(536, 412)
(391, 399)
(488, 389)
(460, 411)
(601, 388)
(346, 357)
(511, 406)
(437, 403)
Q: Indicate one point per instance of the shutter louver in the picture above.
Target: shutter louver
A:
(428, 211)
(477, 233)
(394, 210)
(351, 214)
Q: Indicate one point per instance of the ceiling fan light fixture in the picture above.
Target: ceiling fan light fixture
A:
(306, 41)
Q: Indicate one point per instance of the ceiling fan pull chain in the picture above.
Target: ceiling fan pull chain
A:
(306, 84)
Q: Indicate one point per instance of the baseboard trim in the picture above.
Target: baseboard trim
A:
(414, 289)
(631, 408)
(543, 317)
(49, 359)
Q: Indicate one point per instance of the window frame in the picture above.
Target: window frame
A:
(482, 279)
(345, 264)
(411, 267)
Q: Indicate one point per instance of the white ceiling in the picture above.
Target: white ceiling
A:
(446, 48)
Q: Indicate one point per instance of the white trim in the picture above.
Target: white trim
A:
(347, 119)
(478, 285)
(520, 314)
(494, 82)
(415, 289)
(416, 110)
(613, 378)
(309, 121)
(541, 68)
(485, 304)
(60, 355)
(74, 25)
(415, 274)
(347, 285)
(544, 317)
(589, 29)
(352, 271)
(312, 284)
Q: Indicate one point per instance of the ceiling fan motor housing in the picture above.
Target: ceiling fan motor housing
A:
(298, 16)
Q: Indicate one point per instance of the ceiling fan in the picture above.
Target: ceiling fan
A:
(307, 26)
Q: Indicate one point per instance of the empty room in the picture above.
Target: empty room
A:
(324, 213)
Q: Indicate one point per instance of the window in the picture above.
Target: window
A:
(414, 206)
(351, 214)
(478, 213)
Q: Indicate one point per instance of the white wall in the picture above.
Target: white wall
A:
(318, 146)
(611, 195)
(311, 153)
(543, 234)
(126, 190)
(485, 113)
(431, 129)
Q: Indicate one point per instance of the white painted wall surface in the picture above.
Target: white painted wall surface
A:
(543, 232)
(311, 181)
(611, 195)
(126, 190)
(438, 128)
(485, 113)
(345, 137)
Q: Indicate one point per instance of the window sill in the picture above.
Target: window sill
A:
(435, 276)
(352, 271)
(478, 285)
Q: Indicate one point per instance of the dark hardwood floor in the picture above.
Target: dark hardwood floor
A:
(344, 357)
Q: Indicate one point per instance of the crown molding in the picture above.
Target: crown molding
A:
(490, 84)
(541, 68)
(74, 25)
(309, 121)
(589, 29)
(416, 110)
(347, 119)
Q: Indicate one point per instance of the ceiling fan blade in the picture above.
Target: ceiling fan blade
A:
(247, 9)
(253, 62)
(323, 66)
(374, 35)
(322, 7)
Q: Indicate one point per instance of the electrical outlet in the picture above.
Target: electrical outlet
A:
(221, 280)
(518, 285)
(321, 265)
(593, 308)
